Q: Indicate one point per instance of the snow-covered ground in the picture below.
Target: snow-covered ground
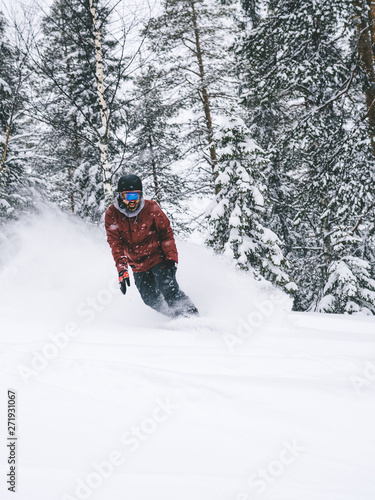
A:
(249, 401)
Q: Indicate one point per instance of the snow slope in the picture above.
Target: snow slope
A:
(117, 402)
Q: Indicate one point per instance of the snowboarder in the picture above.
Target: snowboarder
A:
(140, 235)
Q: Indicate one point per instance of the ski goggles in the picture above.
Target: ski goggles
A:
(131, 195)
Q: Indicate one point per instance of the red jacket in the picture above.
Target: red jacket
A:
(142, 241)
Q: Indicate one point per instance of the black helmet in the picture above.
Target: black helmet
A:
(129, 182)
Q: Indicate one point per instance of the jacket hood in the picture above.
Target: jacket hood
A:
(123, 210)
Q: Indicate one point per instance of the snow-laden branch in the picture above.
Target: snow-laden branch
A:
(340, 94)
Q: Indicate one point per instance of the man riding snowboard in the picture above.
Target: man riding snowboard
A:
(140, 235)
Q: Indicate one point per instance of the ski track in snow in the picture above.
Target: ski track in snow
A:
(194, 409)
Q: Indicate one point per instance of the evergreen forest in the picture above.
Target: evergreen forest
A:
(250, 122)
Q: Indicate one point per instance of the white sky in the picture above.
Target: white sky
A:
(131, 10)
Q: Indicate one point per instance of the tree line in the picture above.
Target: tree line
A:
(253, 121)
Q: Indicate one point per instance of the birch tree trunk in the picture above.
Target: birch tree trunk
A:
(104, 132)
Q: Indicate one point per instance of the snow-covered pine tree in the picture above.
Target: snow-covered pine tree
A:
(350, 287)
(238, 218)
(5, 92)
(16, 177)
(300, 68)
(192, 40)
(154, 145)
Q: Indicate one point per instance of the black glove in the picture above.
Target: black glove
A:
(123, 279)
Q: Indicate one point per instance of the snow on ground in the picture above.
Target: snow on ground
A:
(249, 401)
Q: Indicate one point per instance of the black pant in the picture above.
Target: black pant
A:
(159, 289)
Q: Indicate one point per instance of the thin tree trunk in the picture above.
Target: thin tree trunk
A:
(104, 133)
(72, 169)
(71, 196)
(76, 159)
(326, 228)
(10, 123)
(366, 58)
(154, 172)
(5, 148)
(327, 250)
(205, 96)
(371, 13)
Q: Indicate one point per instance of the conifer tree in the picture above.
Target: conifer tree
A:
(302, 86)
(154, 144)
(16, 180)
(349, 288)
(192, 40)
(238, 218)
